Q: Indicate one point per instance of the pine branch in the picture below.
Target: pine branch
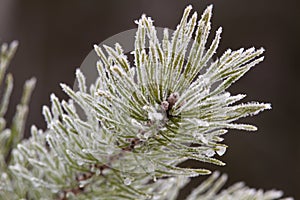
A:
(10, 137)
(210, 190)
(140, 122)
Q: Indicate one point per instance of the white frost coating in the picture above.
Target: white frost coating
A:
(154, 116)
(147, 134)
(109, 149)
(4, 176)
(127, 181)
(135, 123)
(202, 138)
(145, 107)
(200, 122)
(118, 70)
(209, 153)
(221, 150)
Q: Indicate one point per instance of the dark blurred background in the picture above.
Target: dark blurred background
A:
(55, 37)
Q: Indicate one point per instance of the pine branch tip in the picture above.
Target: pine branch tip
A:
(14, 44)
(31, 82)
(268, 106)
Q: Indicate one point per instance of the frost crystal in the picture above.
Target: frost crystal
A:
(221, 150)
(155, 116)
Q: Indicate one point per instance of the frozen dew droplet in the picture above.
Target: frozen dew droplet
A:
(127, 181)
(154, 178)
(145, 107)
(221, 150)
(68, 151)
(70, 195)
(80, 163)
(209, 153)
(85, 151)
(93, 168)
(156, 197)
(54, 190)
(4, 176)
(98, 172)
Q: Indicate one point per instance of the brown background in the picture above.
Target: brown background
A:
(55, 37)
